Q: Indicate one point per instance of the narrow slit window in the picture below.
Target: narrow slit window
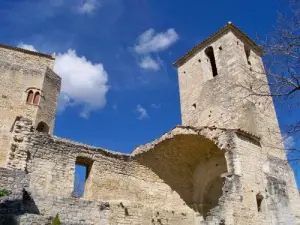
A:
(247, 52)
(210, 54)
(82, 171)
(259, 199)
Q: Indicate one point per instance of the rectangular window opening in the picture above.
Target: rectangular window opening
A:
(82, 171)
(210, 54)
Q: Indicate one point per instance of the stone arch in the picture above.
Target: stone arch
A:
(42, 127)
(187, 162)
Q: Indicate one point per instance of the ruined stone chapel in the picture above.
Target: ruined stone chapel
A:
(224, 165)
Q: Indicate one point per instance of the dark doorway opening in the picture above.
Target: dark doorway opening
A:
(42, 127)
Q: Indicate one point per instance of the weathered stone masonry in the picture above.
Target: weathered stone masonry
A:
(218, 168)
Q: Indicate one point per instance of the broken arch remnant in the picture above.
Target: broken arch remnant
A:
(201, 160)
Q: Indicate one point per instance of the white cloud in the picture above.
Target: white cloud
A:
(89, 6)
(155, 106)
(149, 63)
(150, 41)
(289, 142)
(27, 47)
(83, 83)
(143, 114)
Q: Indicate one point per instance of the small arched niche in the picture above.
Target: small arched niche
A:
(259, 200)
(42, 127)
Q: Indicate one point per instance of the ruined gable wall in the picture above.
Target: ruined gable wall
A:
(160, 183)
(135, 194)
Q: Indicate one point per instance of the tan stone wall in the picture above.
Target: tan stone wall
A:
(19, 72)
(115, 178)
(188, 176)
(174, 182)
(224, 101)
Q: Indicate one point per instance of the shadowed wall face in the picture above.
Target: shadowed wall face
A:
(192, 166)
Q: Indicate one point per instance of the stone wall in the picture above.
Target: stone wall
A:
(175, 180)
(114, 178)
(20, 71)
(187, 176)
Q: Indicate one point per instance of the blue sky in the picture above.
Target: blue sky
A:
(129, 96)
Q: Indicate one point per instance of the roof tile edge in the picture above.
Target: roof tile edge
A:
(26, 51)
(227, 27)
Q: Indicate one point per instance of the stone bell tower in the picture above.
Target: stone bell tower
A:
(217, 79)
(28, 88)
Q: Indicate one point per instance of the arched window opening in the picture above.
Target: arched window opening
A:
(247, 52)
(29, 97)
(42, 127)
(259, 199)
(36, 99)
(83, 168)
(210, 54)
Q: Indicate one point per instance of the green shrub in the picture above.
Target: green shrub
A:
(4, 192)
(56, 220)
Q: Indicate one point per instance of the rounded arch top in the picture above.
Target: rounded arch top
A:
(33, 96)
(42, 127)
